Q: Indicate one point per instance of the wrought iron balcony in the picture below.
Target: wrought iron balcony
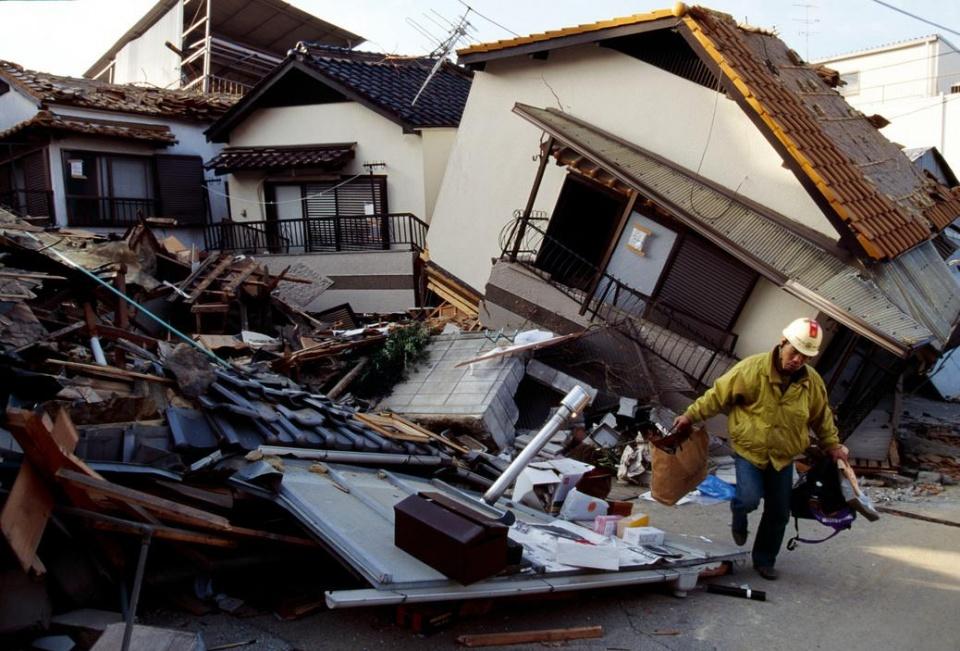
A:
(319, 234)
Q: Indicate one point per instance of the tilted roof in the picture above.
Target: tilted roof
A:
(900, 305)
(880, 204)
(48, 121)
(384, 83)
(48, 89)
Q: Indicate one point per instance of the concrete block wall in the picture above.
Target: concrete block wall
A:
(478, 396)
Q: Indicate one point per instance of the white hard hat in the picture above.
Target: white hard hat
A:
(805, 335)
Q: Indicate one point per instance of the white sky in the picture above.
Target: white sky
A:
(68, 36)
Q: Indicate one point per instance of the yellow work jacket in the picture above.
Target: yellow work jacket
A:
(766, 423)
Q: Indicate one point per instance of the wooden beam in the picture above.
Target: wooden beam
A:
(530, 637)
(110, 371)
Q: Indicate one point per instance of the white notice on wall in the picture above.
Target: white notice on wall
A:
(638, 237)
(76, 168)
(368, 209)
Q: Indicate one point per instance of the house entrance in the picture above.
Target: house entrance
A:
(583, 224)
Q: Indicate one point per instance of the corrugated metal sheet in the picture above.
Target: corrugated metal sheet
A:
(857, 299)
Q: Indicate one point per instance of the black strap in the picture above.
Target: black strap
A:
(792, 543)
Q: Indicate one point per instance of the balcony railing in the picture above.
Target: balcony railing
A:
(108, 211)
(686, 341)
(319, 234)
(29, 203)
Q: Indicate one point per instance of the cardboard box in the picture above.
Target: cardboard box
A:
(580, 554)
(606, 525)
(545, 484)
(643, 536)
(635, 520)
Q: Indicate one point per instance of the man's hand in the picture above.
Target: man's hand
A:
(838, 453)
(682, 424)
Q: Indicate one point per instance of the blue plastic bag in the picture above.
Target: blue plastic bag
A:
(713, 486)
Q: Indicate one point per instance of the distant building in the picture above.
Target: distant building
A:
(914, 84)
(218, 46)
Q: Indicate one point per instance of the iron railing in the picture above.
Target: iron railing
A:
(108, 211)
(319, 234)
(29, 203)
(700, 349)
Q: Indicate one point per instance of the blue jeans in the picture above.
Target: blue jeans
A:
(774, 486)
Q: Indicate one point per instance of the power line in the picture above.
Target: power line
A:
(916, 17)
(488, 19)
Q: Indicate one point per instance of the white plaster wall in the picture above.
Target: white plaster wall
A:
(768, 310)
(15, 108)
(147, 60)
(642, 271)
(491, 168)
(377, 138)
(437, 143)
(890, 74)
(190, 142)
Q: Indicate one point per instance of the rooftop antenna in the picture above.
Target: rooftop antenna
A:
(806, 22)
(443, 50)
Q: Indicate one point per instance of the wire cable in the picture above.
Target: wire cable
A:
(915, 16)
(489, 20)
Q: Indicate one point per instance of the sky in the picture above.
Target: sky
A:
(68, 36)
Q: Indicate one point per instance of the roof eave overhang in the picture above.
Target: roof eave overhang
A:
(220, 130)
(583, 38)
(775, 276)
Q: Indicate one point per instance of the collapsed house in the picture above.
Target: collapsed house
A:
(709, 186)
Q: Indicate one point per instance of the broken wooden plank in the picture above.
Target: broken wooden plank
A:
(27, 509)
(530, 637)
(513, 350)
(25, 515)
(110, 371)
(48, 446)
(208, 279)
(163, 508)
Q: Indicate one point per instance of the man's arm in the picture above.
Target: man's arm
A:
(717, 399)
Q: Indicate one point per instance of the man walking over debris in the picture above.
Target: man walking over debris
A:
(771, 400)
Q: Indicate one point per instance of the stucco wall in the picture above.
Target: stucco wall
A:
(437, 144)
(15, 108)
(491, 167)
(377, 138)
(767, 311)
(147, 60)
(642, 271)
(370, 281)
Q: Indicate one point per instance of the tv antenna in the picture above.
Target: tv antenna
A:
(443, 49)
(806, 23)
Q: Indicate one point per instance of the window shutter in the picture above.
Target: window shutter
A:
(709, 286)
(37, 182)
(180, 188)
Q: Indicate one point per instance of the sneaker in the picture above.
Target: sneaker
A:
(769, 573)
(739, 536)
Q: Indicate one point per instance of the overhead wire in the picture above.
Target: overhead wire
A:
(488, 19)
(915, 16)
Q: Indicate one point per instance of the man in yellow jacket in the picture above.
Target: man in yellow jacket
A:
(772, 401)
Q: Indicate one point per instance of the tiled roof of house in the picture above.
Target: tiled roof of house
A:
(49, 89)
(49, 121)
(391, 82)
(863, 178)
(328, 157)
(880, 204)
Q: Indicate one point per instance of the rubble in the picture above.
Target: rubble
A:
(187, 408)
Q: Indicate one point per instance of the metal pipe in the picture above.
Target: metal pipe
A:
(137, 583)
(570, 406)
(338, 456)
